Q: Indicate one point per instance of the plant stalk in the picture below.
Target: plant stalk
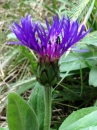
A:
(48, 101)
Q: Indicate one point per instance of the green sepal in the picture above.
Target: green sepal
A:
(47, 72)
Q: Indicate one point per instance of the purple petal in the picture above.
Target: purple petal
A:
(58, 38)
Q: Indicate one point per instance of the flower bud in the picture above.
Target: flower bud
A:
(47, 72)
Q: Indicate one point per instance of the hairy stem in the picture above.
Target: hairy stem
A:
(47, 99)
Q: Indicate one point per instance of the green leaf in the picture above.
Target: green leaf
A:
(83, 119)
(90, 39)
(23, 85)
(90, 128)
(3, 128)
(20, 116)
(93, 77)
(36, 101)
(86, 59)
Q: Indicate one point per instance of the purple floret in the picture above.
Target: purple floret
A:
(52, 41)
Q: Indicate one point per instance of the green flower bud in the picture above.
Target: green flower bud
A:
(47, 72)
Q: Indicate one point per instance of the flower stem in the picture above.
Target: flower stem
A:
(47, 99)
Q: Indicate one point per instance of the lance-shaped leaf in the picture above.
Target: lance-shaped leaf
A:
(84, 119)
(36, 101)
(20, 116)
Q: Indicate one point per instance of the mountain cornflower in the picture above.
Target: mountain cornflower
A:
(49, 43)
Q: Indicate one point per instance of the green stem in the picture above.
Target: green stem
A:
(47, 99)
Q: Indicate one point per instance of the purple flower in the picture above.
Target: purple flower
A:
(51, 41)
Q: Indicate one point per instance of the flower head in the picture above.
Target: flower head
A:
(51, 41)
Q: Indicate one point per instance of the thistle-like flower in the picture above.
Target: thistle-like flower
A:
(49, 43)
